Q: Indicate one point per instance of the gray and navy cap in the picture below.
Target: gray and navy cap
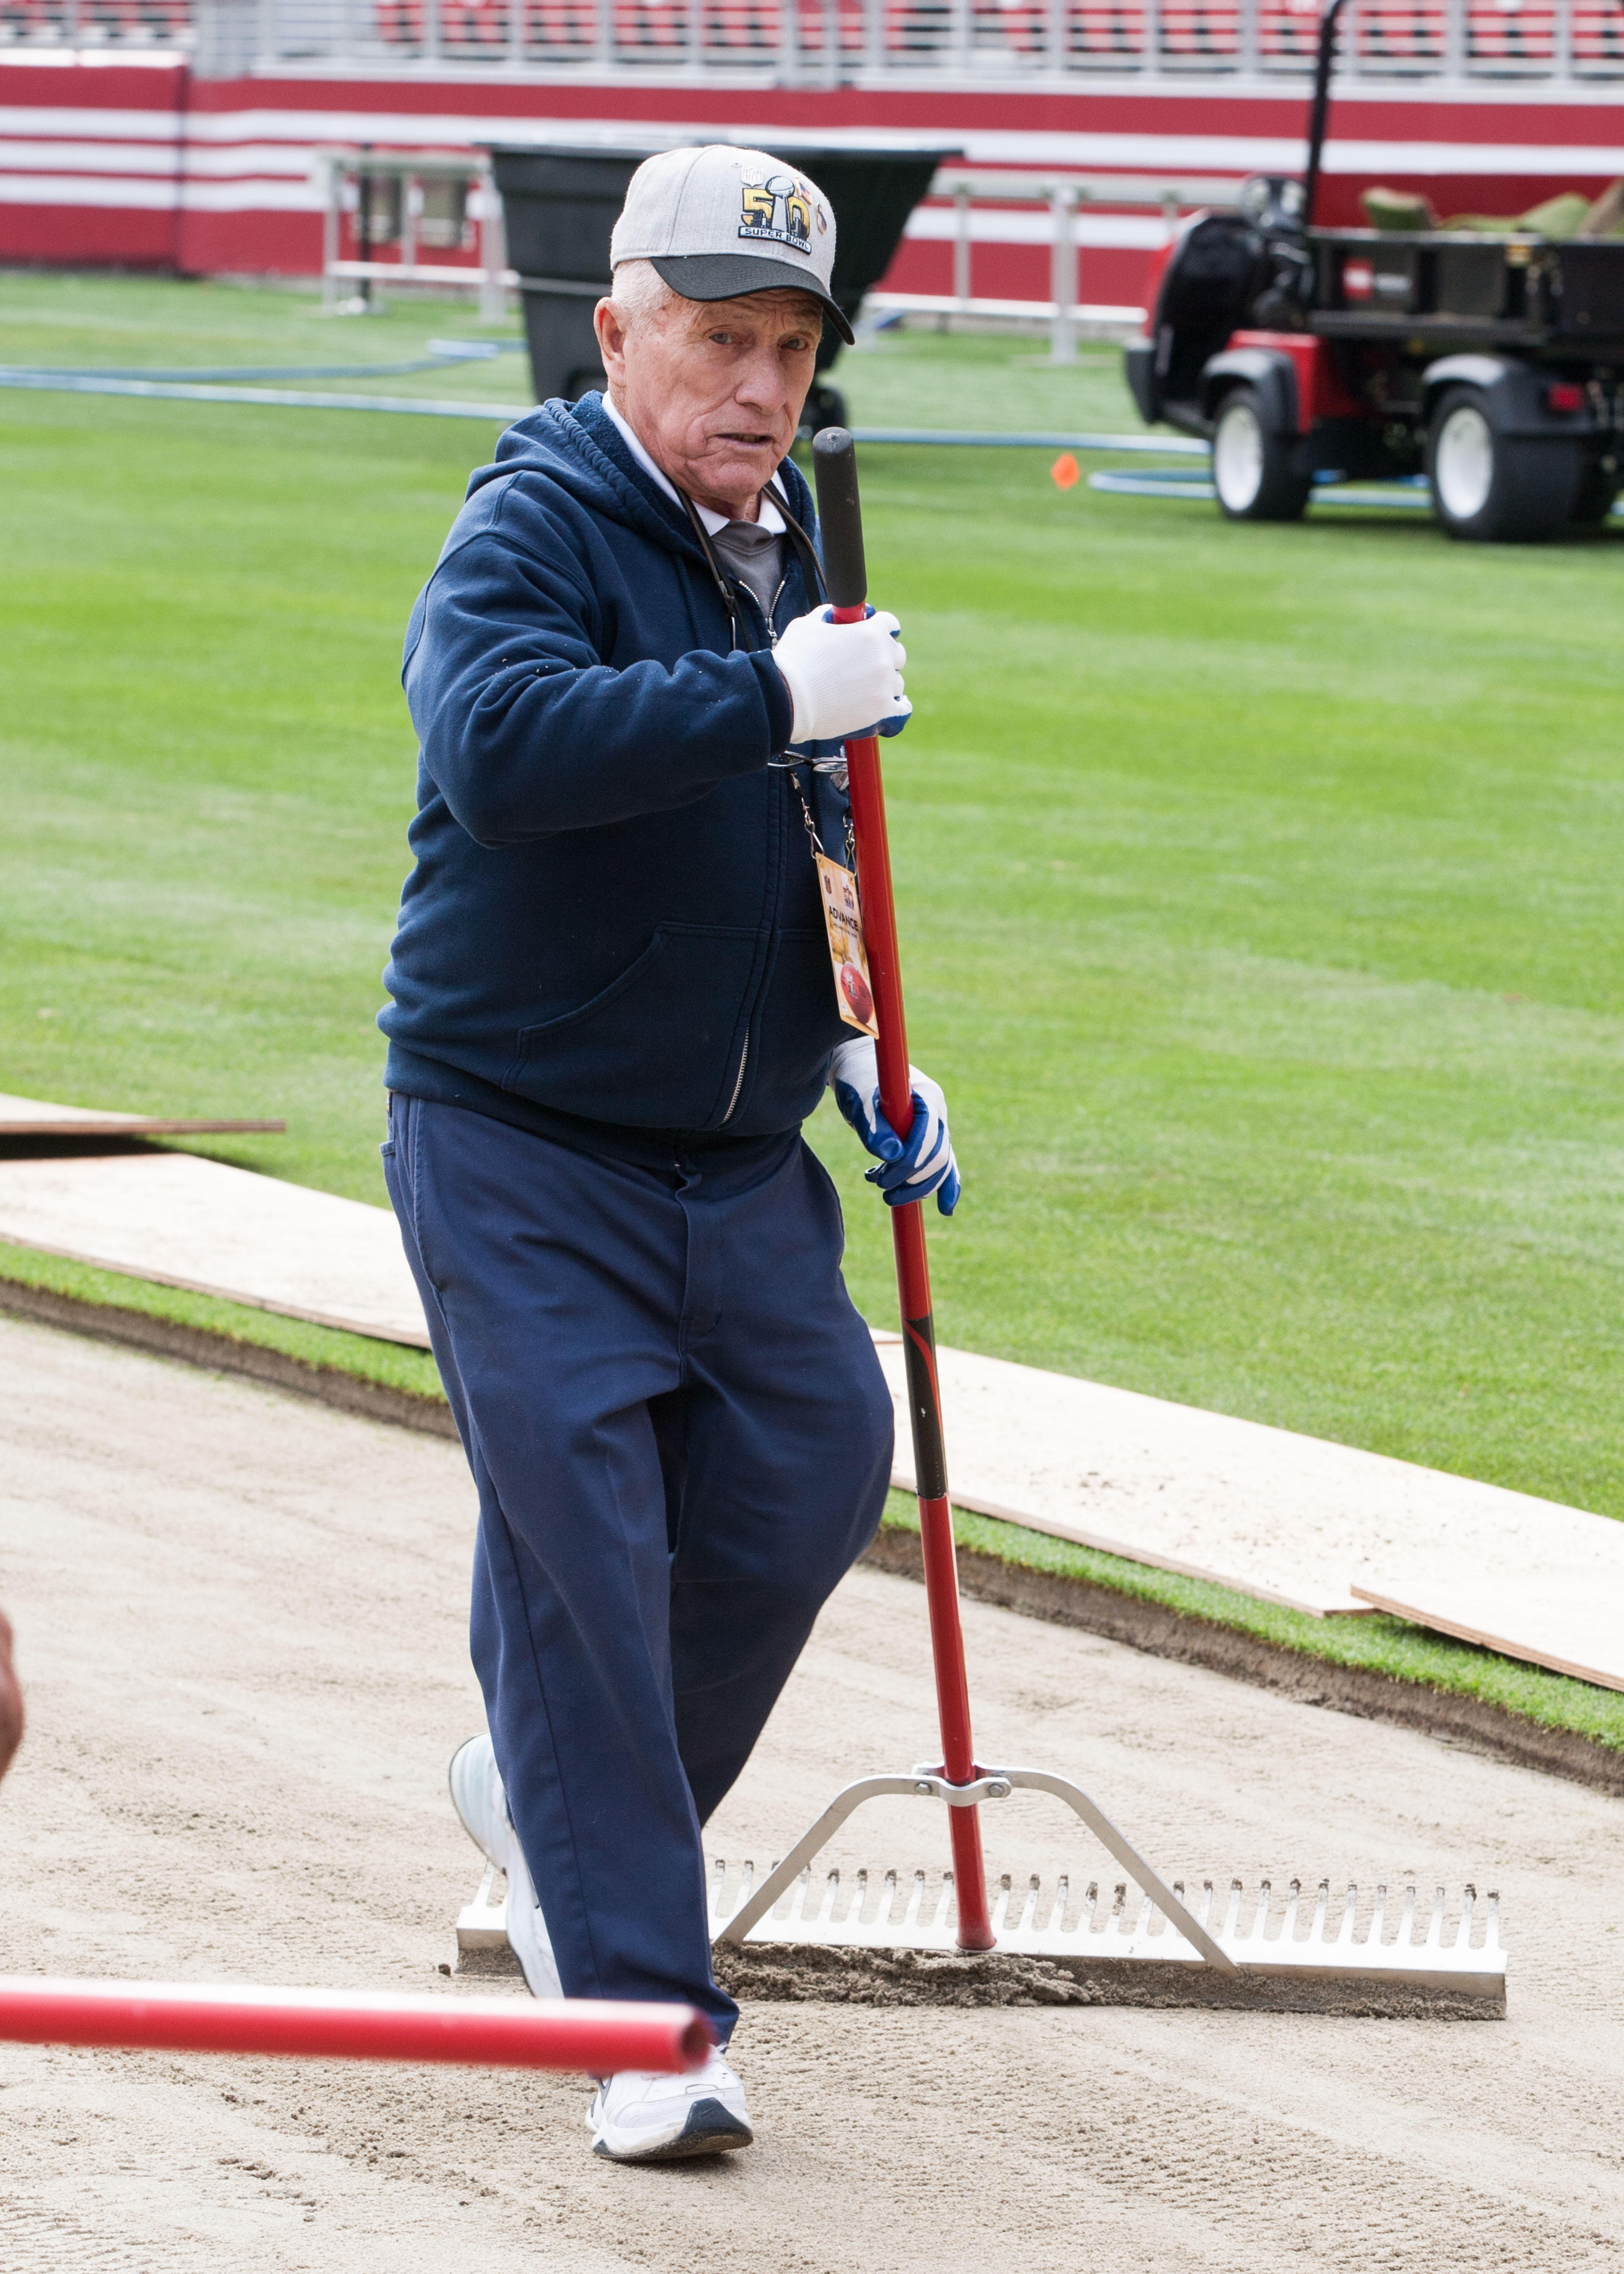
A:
(718, 222)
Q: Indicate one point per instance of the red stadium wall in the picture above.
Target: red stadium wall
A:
(147, 166)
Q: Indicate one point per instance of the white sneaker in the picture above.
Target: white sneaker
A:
(641, 2118)
(478, 1796)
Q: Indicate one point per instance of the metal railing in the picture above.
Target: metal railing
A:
(79, 24)
(1067, 197)
(794, 41)
(869, 42)
(382, 212)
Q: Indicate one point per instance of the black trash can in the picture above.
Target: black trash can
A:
(560, 201)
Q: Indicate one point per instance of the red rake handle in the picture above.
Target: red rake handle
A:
(834, 457)
(571, 2033)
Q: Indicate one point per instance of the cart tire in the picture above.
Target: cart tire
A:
(1490, 488)
(1598, 485)
(1252, 471)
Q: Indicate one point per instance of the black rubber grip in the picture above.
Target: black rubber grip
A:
(840, 513)
(925, 1407)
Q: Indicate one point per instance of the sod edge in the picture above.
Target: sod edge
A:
(1375, 1667)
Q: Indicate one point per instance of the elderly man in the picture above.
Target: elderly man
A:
(614, 1007)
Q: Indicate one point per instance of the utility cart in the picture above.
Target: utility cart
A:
(1491, 362)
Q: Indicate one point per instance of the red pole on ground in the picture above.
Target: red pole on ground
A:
(570, 2033)
(845, 575)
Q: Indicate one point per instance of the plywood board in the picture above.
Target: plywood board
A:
(37, 1116)
(189, 1223)
(1556, 1619)
(1288, 1519)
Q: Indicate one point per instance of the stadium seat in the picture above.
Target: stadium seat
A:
(1510, 36)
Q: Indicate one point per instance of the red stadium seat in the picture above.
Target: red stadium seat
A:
(1510, 36)
(1598, 38)
(1402, 35)
(1197, 34)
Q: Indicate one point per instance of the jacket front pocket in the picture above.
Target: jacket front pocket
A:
(657, 1048)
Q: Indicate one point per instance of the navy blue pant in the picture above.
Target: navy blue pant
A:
(681, 1439)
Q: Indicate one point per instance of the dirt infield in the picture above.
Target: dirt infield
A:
(241, 1624)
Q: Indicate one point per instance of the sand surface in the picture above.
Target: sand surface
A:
(241, 1622)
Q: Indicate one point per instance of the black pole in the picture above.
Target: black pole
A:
(1323, 62)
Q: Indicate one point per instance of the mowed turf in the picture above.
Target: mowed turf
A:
(1259, 888)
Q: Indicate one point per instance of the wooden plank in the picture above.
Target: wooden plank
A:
(36, 1117)
(1285, 1518)
(185, 1222)
(1525, 1616)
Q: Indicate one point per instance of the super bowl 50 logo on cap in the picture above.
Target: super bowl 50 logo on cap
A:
(779, 211)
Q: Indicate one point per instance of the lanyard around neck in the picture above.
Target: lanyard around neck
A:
(801, 543)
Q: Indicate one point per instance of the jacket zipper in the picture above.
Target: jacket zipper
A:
(744, 1059)
(744, 1055)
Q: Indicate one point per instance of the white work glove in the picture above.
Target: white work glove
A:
(907, 1172)
(843, 679)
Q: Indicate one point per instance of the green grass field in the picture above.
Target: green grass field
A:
(1259, 887)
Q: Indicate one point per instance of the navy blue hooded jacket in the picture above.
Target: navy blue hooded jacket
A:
(613, 928)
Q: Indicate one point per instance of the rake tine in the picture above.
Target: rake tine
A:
(803, 1896)
(1491, 1940)
(888, 1899)
(1462, 1940)
(1231, 1925)
(860, 1890)
(1056, 1917)
(1288, 1930)
(1001, 1908)
(948, 1895)
(1435, 1928)
(1373, 1939)
(1406, 1926)
(826, 1909)
(1344, 1933)
(916, 1896)
(1260, 1919)
(1316, 1932)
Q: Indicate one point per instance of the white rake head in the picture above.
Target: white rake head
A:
(1139, 1937)
(1312, 1935)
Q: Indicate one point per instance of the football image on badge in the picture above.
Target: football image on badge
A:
(854, 993)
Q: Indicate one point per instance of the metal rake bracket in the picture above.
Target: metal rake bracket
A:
(927, 1783)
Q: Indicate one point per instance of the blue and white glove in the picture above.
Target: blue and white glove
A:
(843, 679)
(907, 1172)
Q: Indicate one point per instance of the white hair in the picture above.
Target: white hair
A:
(640, 294)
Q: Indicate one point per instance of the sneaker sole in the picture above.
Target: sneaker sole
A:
(710, 2130)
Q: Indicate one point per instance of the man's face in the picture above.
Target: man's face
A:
(713, 388)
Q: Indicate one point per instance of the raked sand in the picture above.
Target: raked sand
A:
(241, 1624)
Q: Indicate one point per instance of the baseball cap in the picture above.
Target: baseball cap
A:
(718, 222)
